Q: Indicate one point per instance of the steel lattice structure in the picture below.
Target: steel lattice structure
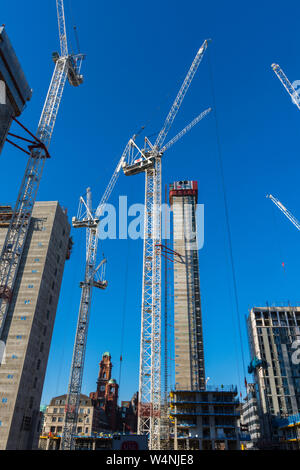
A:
(85, 219)
(148, 160)
(65, 66)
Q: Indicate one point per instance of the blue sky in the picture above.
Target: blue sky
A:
(138, 53)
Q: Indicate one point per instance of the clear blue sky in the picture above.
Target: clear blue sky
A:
(137, 56)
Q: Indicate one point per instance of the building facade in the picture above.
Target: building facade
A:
(14, 89)
(88, 421)
(29, 323)
(274, 335)
(205, 419)
(189, 351)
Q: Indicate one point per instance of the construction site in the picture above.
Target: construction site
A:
(187, 365)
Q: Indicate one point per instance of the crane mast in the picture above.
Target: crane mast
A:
(149, 161)
(285, 211)
(66, 66)
(287, 84)
(85, 219)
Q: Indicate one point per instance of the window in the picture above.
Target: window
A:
(86, 430)
(38, 364)
(36, 260)
(34, 271)
(40, 244)
(4, 400)
(52, 429)
(41, 347)
(10, 376)
(27, 301)
(59, 419)
(53, 419)
(23, 318)
(30, 286)
(79, 429)
(30, 402)
(14, 356)
(19, 336)
(50, 300)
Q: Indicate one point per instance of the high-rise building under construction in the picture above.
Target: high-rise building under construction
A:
(29, 324)
(189, 353)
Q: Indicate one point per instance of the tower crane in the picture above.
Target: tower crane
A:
(148, 160)
(285, 211)
(67, 66)
(287, 84)
(94, 277)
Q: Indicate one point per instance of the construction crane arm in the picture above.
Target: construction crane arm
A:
(287, 84)
(285, 211)
(62, 28)
(185, 130)
(180, 96)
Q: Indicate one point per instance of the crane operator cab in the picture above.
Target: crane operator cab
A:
(74, 78)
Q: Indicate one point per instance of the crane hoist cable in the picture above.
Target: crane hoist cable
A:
(227, 219)
(124, 312)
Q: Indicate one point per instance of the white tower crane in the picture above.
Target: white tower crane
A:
(66, 66)
(148, 160)
(94, 277)
(287, 84)
(285, 211)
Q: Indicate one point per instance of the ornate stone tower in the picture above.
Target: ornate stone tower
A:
(106, 395)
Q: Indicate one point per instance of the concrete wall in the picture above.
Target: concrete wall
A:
(29, 325)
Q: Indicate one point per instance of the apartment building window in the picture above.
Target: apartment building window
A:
(53, 419)
(36, 260)
(27, 302)
(34, 382)
(41, 347)
(23, 318)
(34, 271)
(4, 400)
(10, 376)
(30, 286)
(30, 402)
(38, 364)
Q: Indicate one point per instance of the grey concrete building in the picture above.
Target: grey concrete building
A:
(89, 421)
(250, 421)
(189, 354)
(205, 419)
(274, 335)
(29, 324)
